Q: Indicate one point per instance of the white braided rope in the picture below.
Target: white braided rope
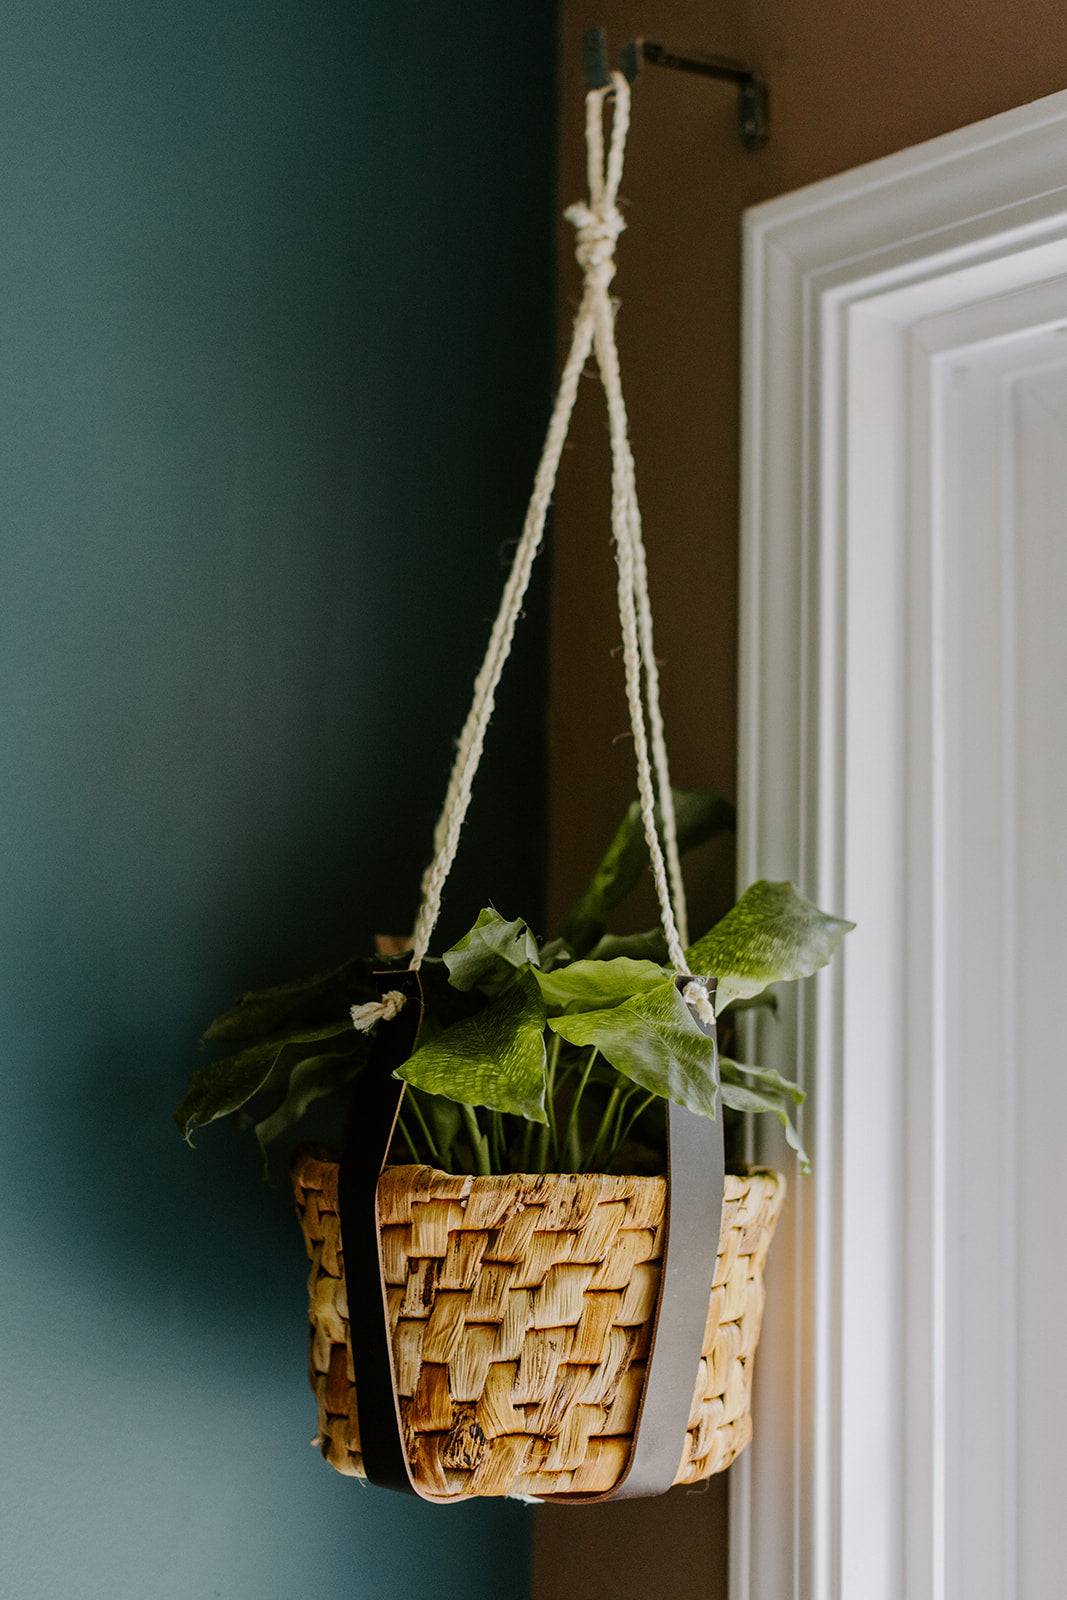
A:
(598, 226)
(657, 736)
(469, 750)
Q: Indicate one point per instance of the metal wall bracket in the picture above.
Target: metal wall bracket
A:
(639, 53)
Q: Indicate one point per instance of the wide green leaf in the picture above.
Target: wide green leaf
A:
(486, 958)
(224, 1086)
(740, 1097)
(698, 816)
(592, 985)
(554, 953)
(766, 1000)
(263, 1012)
(495, 1058)
(772, 934)
(648, 946)
(311, 1079)
(653, 1040)
(765, 1077)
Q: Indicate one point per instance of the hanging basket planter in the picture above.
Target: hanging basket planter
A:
(502, 1328)
(521, 1312)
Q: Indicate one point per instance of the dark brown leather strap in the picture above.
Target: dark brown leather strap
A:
(370, 1132)
(695, 1179)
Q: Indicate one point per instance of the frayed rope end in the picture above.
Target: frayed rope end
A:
(389, 1006)
(696, 995)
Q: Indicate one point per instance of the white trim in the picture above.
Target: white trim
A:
(864, 296)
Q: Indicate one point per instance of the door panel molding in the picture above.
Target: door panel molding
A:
(894, 321)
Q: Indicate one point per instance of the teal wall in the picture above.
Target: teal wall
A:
(275, 347)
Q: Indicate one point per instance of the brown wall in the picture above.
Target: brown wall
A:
(849, 82)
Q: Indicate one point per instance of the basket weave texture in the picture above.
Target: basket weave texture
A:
(521, 1315)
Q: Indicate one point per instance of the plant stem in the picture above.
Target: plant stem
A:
(550, 1093)
(435, 1154)
(570, 1133)
(605, 1122)
(621, 1138)
(479, 1143)
(544, 1134)
(498, 1143)
(402, 1125)
(524, 1152)
(629, 1093)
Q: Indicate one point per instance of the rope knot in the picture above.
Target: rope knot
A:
(695, 994)
(598, 228)
(383, 1010)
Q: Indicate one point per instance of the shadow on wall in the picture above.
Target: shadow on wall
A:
(674, 1544)
(274, 378)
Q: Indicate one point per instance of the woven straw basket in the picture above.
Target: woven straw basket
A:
(521, 1315)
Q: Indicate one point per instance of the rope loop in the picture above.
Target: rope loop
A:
(599, 223)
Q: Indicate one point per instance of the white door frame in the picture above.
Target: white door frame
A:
(876, 624)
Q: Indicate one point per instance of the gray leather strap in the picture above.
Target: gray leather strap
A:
(695, 1181)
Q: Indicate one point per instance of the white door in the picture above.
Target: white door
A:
(904, 760)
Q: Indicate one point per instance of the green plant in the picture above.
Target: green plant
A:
(539, 1056)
